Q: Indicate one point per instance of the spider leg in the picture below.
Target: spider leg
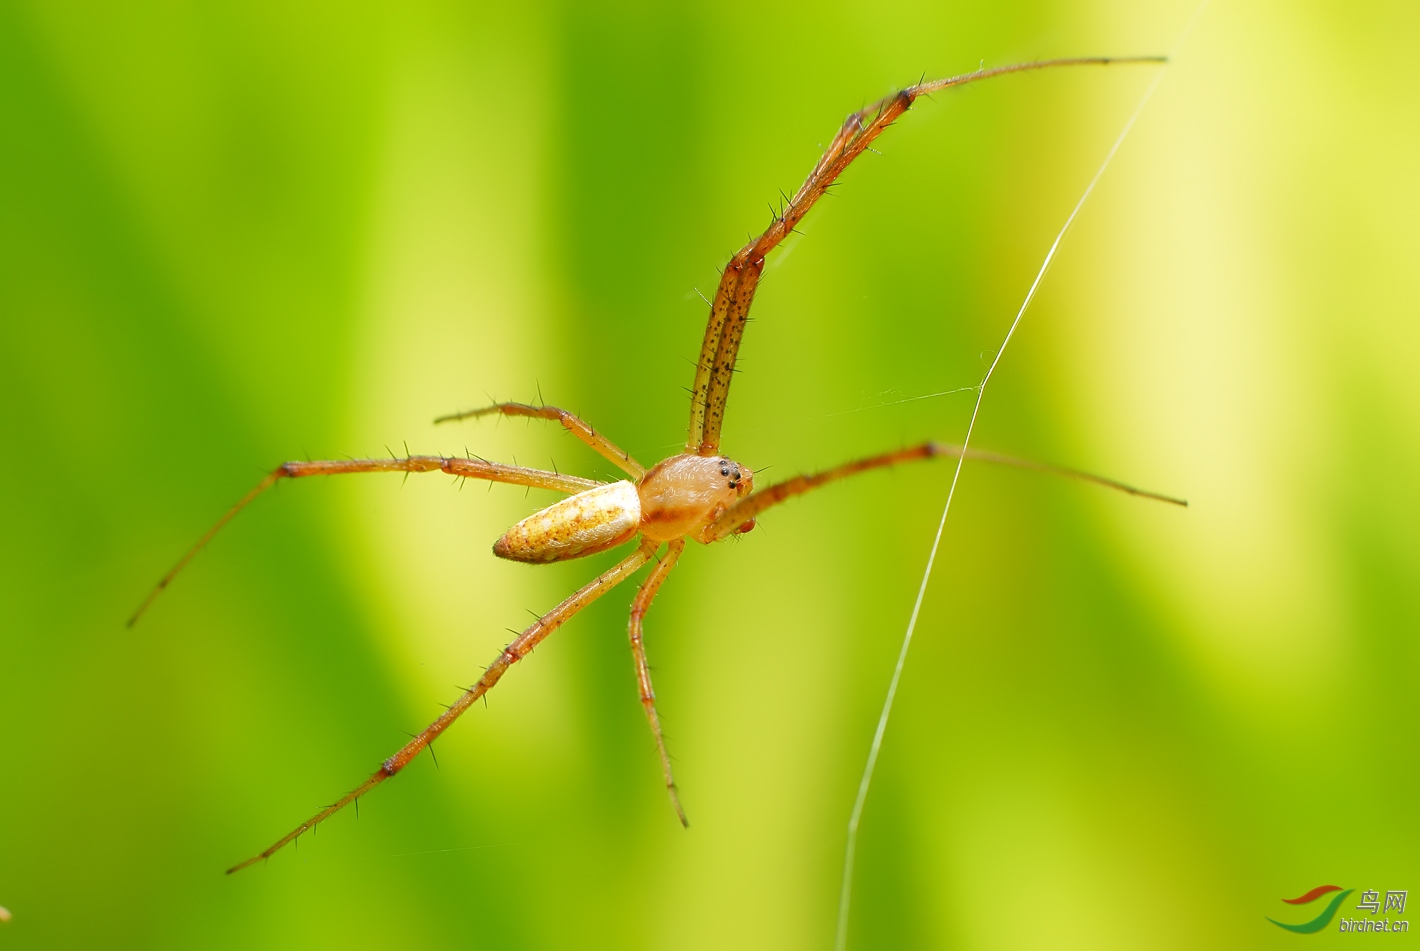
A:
(740, 279)
(466, 468)
(521, 646)
(746, 509)
(639, 607)
(572, 423)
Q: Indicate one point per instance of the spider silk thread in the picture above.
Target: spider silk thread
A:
(846, 889)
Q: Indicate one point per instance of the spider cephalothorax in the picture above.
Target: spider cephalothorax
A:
(685, 494)
(698, 494)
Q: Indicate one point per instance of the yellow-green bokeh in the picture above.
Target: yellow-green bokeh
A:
(232, 234)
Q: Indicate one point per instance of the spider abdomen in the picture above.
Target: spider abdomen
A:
(582, 524)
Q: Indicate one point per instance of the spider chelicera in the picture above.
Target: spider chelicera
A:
(699, 494)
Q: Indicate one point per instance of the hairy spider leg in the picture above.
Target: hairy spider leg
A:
(465, 468)
(729, 310)
(639, 607)
(521, 646)
(570, 421)
(748, 508)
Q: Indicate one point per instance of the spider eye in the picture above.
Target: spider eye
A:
(724, 471)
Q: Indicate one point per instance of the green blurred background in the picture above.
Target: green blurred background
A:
(236, 233)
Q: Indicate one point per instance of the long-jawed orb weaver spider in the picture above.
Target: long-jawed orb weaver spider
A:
(698, 494)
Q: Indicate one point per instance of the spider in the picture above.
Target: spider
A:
(699, 494)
